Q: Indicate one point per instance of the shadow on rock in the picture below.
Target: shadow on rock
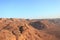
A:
(38, 25)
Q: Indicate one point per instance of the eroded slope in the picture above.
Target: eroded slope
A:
(20, 29)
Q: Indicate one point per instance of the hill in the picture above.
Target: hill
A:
(25, 29)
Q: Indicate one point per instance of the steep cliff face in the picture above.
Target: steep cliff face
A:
(21, 29)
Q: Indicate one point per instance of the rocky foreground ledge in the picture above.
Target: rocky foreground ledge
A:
(24, 29)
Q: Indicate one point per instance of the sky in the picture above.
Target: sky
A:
(35, 9)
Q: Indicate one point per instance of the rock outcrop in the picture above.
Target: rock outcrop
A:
(21, 29)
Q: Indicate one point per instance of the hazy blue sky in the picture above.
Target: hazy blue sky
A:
(30, 8)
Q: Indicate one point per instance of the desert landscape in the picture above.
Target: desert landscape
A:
(25, 29)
